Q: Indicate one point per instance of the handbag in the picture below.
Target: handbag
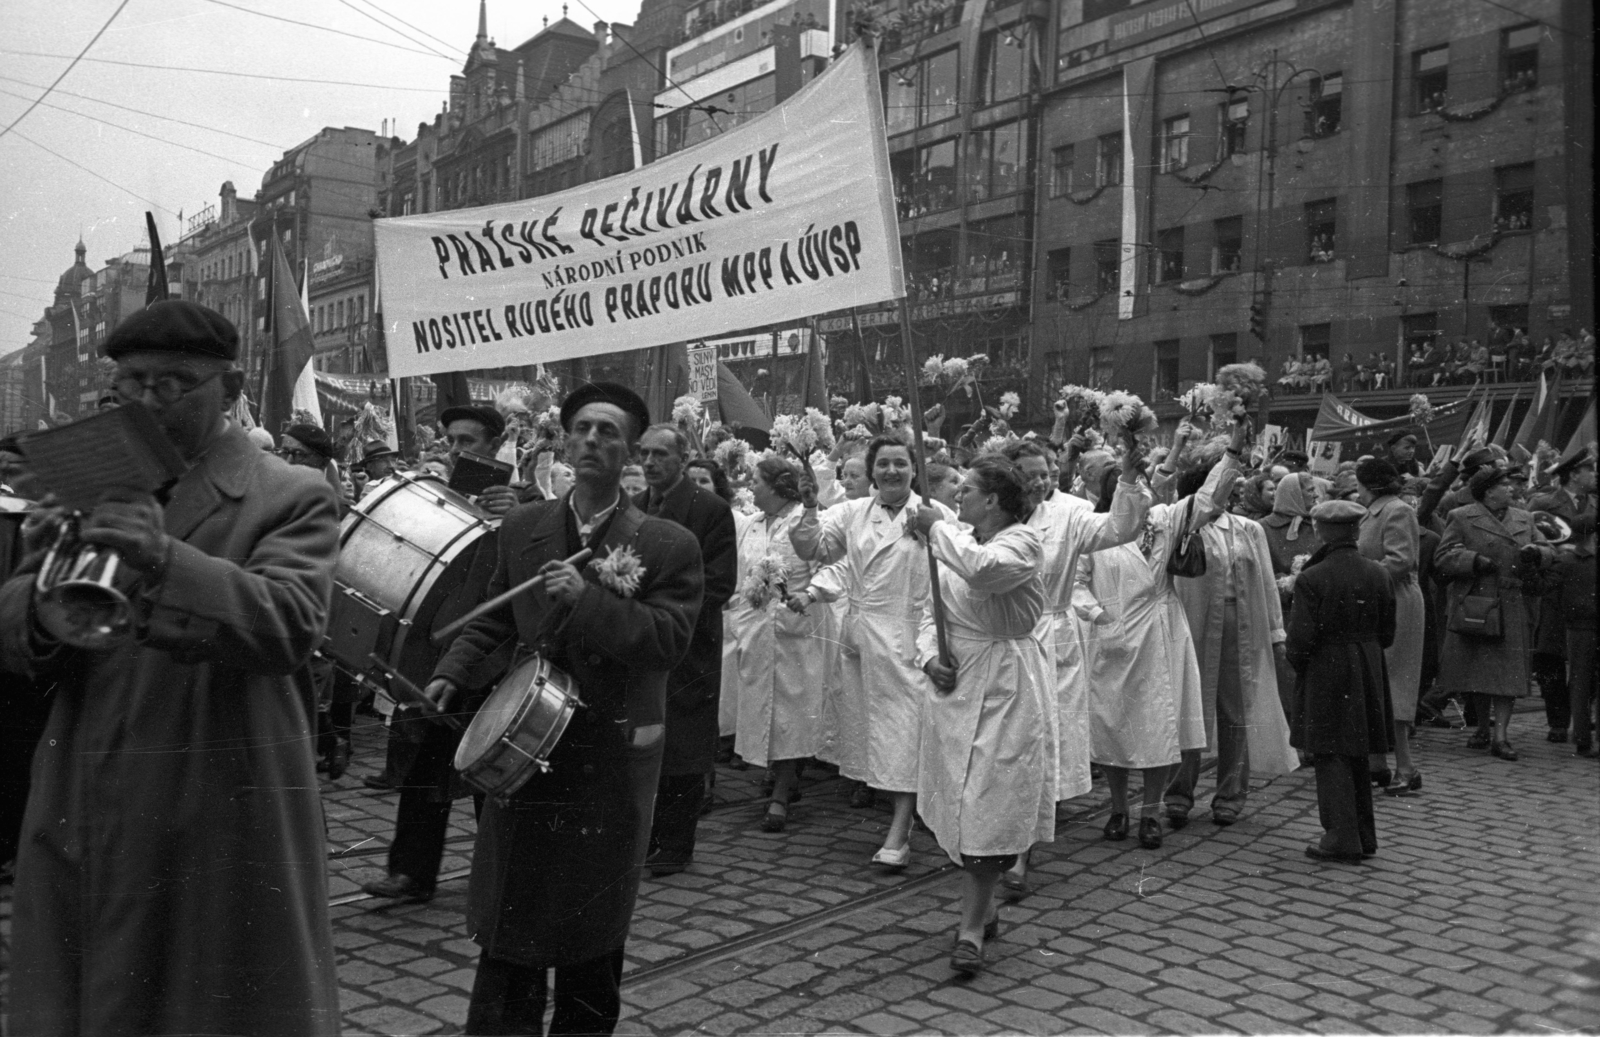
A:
(1478, 616)
(1188, 557)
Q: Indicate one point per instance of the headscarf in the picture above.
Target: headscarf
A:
(1253, 499)
(1296, 495)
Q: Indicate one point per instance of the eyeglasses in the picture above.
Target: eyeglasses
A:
(295, 455)
(168, 388)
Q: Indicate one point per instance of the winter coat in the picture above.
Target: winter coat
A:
(556, 868)
(1343, 619)
(1550, 632)
(1390, 537)
(172, 876)
(1471, 665)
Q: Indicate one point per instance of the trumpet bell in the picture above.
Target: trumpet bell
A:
(77, 599)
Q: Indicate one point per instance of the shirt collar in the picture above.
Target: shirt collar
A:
(585, 528)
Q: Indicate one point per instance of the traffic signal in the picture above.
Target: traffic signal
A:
(1258, 320)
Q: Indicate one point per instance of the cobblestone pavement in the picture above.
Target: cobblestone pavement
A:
(1481, 914)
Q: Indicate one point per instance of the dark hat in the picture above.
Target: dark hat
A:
(1292, 457)
(1338, 512)
(313, 439)
(1486, 477)
(376, 448)
(1476, 459)
(483, 414)
(606, 392)
(1376, 474)
(1402, 434)
(175, 326)
(1572, 464)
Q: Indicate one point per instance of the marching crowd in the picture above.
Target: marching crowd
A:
(972, 634)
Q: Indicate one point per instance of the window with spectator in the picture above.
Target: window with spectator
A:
(1430, 72)
(1108, 161)
(1234, 122)
(1058, 274)
(1424, 211)
(922, 93)
(1326, 114)
(1107, 263)
(1102, 369)
(1224, 351)
(1321, 224)
(925, 178)
(1169, 254)
(930, 265)
(1513, 197)
(1175, 144)
(1004, 69)
(997, 161)
(1227, 249)
(1519, 59)
(1061, 170)
(994, 256)
(1165, 384)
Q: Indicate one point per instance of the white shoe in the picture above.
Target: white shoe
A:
(893, 860)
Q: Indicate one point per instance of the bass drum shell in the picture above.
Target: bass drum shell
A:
(516, 728)
(422, 553)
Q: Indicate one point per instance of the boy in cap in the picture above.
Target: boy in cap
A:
(1342, 619)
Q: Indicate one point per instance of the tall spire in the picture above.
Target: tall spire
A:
(483, 21)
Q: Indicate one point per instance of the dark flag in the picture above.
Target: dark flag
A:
(156, 289)
(669, 379)
(814, 382)
(288, 346)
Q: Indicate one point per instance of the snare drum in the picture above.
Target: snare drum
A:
(406, 562)
(517, 728)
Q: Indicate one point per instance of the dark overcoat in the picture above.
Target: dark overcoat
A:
(172, 876)
(556, 869)
(1342, 620)
(695, 686)
(1473, 665)
(1550, 633)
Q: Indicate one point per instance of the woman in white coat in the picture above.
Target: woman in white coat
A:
(781, 656)
(873, 556)
(1145, 699)
(985, 786)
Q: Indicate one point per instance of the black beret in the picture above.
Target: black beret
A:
(484, 415)
(175, 326)
(606, 392)
(313, 438)
(1377, 474)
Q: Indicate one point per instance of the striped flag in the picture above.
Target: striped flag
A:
(1526, 438)
(1502, 433)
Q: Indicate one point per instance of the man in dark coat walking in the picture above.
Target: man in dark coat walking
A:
(695, 686)
(556, 868)
(1342, 619)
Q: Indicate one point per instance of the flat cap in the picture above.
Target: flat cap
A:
(1572, 464)
(483, 414)
(1337, 512)
(606, 392)
(1486, 477)
(175, 326)
(313, 438)
(1476, 459)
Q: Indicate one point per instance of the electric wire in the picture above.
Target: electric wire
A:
(129, 129)
(425, 32)
(654, 67)
(40, 99)
(97, 176)
(374, 18)
(326, 28)
(228, 72)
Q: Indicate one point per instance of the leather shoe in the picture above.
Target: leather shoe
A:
(378, 783)
(1479, 740)
(1380, 778)
(1583, 749)
(1557, 735)
(338, 761)
(398, 887)
(661, 864)
(1317, 853)
(862, 796)
(1177, 820)
(1116, 828)
(1223, 818)
(777, 816)
(1012, 888)
(893, 860)
(1504, 751)
(1150, 833)
(967, 957)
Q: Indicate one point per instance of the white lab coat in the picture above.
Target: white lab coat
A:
(985, 784)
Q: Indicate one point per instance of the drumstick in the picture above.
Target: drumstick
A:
(500, 599)
(413, 693)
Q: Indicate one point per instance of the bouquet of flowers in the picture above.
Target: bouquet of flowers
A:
(1286, 583)
(548, 425)
(1010, 402)
(744, 501)
(733, 457)
(1123, 412)
(1083, 406)
(795, 434)
(768, 580)
(894, 413)
(1421, 409)
(821, 428)
(1196, 403)
(995, 444)
(372, 423)
(867, 416)
(1240, 389)
(620, 571)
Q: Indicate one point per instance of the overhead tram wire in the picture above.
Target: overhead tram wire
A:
(97, 176)
(230, 72)
(425, 32)
(326, 28)
(658, 69)
(374, 18)
(139, 133)
(153, 115)
(79, 57)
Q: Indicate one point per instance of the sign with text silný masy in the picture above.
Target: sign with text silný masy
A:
(785, 216)
(703, 373)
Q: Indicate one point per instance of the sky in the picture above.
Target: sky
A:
(111, 164)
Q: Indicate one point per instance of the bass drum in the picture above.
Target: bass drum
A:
(413, 555)
(516, 728)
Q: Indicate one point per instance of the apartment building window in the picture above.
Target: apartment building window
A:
(360, 316)
(1326, 114)
(1424, 210)
(1224, 351)
(925, 178)
(1102, 369)
(1058, 274)
(1315, 340)
(1175, 144)
(1108, 161)
(1513, 197)
(1420, 329)
(1321, 223)
(1227, 250)
(1234, 122)
(923, 92)
(997, 161)
(1430, 71)
(1519, 59)
(1107, 271)
(1169, 254)
(340, 322)
(1061, 165)
(1165, 384)
(1004, 69)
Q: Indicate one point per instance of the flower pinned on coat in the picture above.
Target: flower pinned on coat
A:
(769, 580)
(620, 571)
(1286, 582)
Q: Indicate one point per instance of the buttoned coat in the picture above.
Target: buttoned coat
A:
(172, 872)
(1474, 665)
(1391, 537)
(695, 685)
(1342, 619)
(1550, 633)
(556, 868)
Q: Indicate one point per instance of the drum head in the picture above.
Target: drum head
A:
(492, 721)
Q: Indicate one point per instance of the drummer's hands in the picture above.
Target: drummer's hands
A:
(497, 500)
(562, 582)
(440, 691)
(130, 523)
(926, 517)
(943, 677)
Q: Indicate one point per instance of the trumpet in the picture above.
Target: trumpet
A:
(81, 595)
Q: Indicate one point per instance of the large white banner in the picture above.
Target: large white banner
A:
(788, 215)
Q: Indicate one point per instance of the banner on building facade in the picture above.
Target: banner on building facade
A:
(785, 216)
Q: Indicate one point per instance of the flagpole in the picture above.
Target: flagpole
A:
(914, 405)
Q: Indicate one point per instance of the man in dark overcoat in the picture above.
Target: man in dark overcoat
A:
(556, 867)
(172, 872)
(695, 685)
(1342, 619)
(1569, 501)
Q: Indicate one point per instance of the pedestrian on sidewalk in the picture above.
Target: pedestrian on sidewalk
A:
(1342, 619)
(985, 784)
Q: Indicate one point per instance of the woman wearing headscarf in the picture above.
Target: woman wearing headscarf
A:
(1291, 542)
(1489, 550)
(1389, 536)
(1256, 497)
(984, 779)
